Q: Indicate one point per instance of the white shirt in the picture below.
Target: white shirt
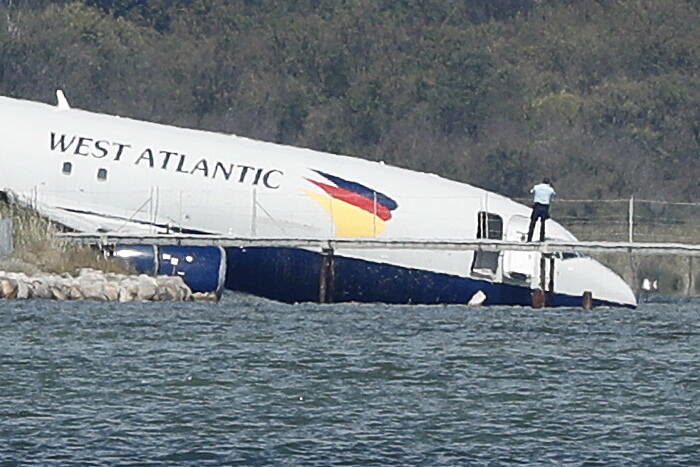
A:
(543, 193)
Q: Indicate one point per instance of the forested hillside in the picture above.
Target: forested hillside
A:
(601, 95)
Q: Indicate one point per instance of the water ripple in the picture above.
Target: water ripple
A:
(250, 381)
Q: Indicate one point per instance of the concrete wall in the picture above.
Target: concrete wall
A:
(675, 275)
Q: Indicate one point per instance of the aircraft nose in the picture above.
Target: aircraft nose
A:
(614, 287)
(586, 274)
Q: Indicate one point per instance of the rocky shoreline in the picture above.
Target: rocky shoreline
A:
(91, 284)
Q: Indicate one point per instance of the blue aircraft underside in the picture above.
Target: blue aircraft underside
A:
(294, 275)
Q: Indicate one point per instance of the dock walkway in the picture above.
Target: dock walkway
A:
(336, 244)
(328, 248)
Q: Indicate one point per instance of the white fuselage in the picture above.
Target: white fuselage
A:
(97, 172)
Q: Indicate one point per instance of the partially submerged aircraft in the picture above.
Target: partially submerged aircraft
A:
(100, 173)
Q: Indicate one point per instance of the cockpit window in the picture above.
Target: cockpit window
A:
(489, 226)
(568, 255)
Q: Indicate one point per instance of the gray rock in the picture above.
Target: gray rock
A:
(58, 293)
(124, 294)
(111, 291)
(147, 287)
(22, 290)
(92, 290)
(95, 285)
(8, 288)
(74, 293)
(205, 296)
(41, 289)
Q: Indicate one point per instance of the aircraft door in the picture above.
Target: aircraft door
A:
(519, 266)
(489, 226)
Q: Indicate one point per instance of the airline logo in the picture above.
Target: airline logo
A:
(356, 210)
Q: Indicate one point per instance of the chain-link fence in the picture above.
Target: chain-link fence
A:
(623, 220)
(639, 220)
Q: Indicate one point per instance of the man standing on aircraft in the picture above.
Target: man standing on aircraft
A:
(542, 195)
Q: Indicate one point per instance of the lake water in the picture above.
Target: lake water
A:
(250, 381)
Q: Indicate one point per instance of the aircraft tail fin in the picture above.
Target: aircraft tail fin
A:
(62, 101)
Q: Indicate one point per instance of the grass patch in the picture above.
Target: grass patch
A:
(38, 249)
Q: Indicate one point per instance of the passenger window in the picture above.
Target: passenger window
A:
(102, 174)
(67, 168)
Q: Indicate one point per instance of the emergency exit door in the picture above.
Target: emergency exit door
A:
(488, 226)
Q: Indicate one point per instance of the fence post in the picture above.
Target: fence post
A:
(631, 219)
(6, 232)
(691, 285)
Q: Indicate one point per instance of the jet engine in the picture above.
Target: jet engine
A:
(202, 268)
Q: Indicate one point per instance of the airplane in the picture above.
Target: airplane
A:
(93, 172)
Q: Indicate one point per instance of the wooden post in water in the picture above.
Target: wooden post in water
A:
(550, 295)
(538, 298)
(587, 301)
(543, 281)
(543, 273)
(326, 283)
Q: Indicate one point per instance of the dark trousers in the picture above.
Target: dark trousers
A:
(541, 212)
